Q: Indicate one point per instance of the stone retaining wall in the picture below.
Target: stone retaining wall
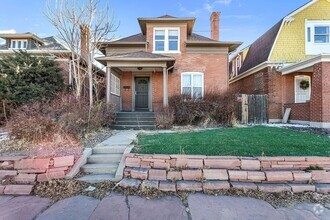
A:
(20, 173)
(212, 172)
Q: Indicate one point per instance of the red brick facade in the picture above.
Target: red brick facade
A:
(214, 67)
(281, 92)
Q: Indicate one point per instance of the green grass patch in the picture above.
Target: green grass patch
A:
(251, 141)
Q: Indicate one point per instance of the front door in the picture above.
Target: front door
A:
(141, 93)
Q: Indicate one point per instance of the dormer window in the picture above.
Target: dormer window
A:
(317, 35)
(166, 40)
(321, 34)
(18, 44)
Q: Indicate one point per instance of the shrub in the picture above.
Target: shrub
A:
(66, 114)
(215, 107)
(31, 122)
(164, 118)
(25, 78)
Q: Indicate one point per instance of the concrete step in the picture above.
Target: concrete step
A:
(135, 114)
(96, 178)
(134, 123)
(133, 127)
(109, 168)
(104, 158)
(108, 150)
(135, 119)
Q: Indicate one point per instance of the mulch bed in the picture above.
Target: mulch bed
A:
(61, 189)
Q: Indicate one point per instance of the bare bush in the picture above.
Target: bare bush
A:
(164, 118)
(214, 107)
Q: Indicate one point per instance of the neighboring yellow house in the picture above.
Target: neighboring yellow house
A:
(290, 63)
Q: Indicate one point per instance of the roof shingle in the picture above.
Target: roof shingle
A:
(259, 50)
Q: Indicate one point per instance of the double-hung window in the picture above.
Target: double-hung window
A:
(192, 84)
(18, 44)
(115, 85)
(166, 40)
(321, 34)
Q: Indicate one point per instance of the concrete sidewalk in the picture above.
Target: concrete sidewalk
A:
(117, 206)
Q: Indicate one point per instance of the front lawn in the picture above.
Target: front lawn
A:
(252, 141)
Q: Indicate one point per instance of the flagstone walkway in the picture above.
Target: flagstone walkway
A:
(117, 206)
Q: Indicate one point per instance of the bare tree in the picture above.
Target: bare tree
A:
(72, 19)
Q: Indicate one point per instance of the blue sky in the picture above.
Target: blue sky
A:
(241, 20)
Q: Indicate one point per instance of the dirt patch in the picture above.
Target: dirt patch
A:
(60, 189)
(93, 138)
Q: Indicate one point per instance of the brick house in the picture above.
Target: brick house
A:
(164, 59)
(291, 64)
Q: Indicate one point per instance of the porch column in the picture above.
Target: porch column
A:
(108, 85)
(165, 87)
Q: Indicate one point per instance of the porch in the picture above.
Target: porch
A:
(306, 90)
(137, 81)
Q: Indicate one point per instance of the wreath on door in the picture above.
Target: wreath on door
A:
(304, 84)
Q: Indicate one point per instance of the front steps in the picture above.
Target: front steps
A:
(135, 121)
(103, 164)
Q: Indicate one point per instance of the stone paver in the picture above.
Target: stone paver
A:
(23, 207)
(224, 207)
(121, 207)
(164, 208)
(111, 207)
(77, 207)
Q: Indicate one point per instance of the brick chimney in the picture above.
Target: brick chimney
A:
(84, 44)
(215, 23)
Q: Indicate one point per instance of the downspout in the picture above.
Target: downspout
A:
(168, 69)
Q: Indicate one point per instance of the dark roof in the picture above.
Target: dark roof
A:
(259, 50)
(133, 38)
(197, 37)
(50, 43)
(166, 16)
(139, 54)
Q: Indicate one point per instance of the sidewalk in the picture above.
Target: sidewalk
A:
(117, 206)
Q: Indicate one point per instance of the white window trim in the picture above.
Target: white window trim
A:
(192, 73)
(295, 87)
(16, 43)
(115, 78)
(238, 64)
(166, 40)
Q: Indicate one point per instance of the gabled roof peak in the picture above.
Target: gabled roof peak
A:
(166, 16)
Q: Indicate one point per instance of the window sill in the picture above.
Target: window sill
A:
(115, 94)
(167, 52)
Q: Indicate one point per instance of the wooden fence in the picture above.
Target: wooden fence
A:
(253, 109)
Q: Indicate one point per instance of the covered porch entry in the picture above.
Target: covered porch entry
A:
(143, 80)
(306, 91)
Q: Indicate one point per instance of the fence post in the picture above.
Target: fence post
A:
(245, 109)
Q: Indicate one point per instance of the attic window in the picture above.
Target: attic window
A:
(321, 34)
(18, 44)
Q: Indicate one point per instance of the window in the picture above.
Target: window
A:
(238, 64)
(166, 40)
(321, 34)
(115, 85)
(302, 89)
(317, 37)
(192, 84)
(18, 44)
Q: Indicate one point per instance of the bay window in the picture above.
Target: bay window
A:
(192, 84)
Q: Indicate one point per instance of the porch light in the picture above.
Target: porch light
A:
(140, 68)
